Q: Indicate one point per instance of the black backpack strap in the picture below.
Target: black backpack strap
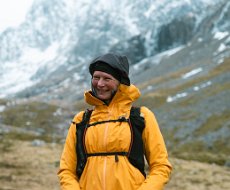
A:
(136, 152)
(80, 143)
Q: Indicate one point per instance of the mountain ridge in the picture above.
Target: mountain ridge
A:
(98, 26)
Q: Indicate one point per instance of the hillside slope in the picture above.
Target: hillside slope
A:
(29, 167)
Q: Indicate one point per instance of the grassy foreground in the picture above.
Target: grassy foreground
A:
(27, 167)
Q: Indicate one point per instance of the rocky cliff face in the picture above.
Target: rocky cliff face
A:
(59, 34)
(178, 32)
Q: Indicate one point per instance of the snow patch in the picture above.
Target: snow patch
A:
(18, 78)
(221, 48)
(200, 39)
(177, 96)
(2, 108)
(221, 60)
(220, 35)
(174, 51)
(151, 9)
(204, 85)
(192, 73)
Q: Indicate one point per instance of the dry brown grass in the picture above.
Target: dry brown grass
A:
(27, 167)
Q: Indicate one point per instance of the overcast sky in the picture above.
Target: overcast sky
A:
(13, 12)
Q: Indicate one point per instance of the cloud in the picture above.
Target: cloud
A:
(13, 12)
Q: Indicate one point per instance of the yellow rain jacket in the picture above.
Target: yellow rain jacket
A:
(103, 172)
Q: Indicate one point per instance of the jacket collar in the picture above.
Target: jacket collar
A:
(125, 95)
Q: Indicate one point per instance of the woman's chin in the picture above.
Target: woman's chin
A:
(103, 97)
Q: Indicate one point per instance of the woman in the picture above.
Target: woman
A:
(112, 96)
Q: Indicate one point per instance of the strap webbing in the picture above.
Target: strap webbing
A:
(122, 119)
(116, 154)
(107, 154)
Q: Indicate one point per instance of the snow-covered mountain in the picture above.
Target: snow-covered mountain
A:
(58, 38)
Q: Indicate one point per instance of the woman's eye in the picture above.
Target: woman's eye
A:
(95, 78)
(108, 79)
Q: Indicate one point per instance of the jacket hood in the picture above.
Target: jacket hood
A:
(125, 95)
(116, 61)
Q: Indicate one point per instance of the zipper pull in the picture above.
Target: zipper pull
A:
(116, 158)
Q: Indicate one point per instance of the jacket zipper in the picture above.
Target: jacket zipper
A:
(105, 159)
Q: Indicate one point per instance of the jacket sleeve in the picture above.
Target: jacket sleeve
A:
(67, 170)
(156, 154)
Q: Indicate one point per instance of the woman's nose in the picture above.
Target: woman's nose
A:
(101, 82)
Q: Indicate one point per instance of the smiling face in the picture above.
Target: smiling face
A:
(104, 85)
